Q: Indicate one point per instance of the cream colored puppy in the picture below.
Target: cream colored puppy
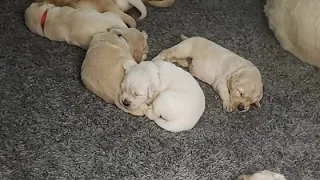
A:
(237, 80)
(75, 26)
(102, 70)
(263, 175)
(166, 93)
(103, 6)
(295, 24)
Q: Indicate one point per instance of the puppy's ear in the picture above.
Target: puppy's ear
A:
(234, 79)
(145, 35)
(129, 64)
(152, 90)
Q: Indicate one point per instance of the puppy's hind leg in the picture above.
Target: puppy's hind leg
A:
(172, 126)
(112, 7)
(179, 52)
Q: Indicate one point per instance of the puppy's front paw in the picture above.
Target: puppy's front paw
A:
(144, 107)
(228, 106)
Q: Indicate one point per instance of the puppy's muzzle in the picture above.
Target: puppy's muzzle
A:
(126, 103)
(241, 107)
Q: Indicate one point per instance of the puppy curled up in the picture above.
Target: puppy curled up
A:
(115, 6)
(102, 70)
(166, 94)
(74, 26)
(236, 80)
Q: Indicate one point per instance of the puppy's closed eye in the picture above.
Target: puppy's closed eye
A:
(137, 94)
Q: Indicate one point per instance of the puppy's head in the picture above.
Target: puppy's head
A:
(33, 15)
(140, 84)
(245, 88)
(136, 40)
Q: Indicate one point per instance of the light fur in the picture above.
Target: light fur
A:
(160, 3)
(102, 70)
(104, 6)
(263, 175)
(235, 79)
(74, 26)
(296, 25)
(167, 94)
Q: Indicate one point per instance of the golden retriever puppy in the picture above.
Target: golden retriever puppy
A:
(237, 80)
(295, 24)
(102, 69)
(263, 175)
(75, 26)
(115, 6)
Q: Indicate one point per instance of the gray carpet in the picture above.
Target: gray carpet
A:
(53, 128)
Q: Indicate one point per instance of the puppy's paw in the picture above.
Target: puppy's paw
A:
(144, 107)
(166, 55)
(228, 106)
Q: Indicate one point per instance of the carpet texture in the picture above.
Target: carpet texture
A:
(52, 127)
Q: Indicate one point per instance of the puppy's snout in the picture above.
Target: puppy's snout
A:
(126, 103)
(241, 107)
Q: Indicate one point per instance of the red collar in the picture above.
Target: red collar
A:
(43, 19)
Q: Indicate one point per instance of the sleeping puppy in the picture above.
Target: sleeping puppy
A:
(164, 92)
(75, 26)
(237, 80)
(115, 6)
(102, 70)
(263, 175)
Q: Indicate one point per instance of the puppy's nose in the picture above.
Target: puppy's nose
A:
(126, 103)
(241, 107)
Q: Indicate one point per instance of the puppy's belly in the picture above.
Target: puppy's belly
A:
(202, 74)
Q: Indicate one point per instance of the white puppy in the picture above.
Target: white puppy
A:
(75, 26)
(263, 175)
(237, 80)
(176, 101)
(295, 24)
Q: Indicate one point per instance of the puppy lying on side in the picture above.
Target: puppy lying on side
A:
(237, 80)
(75, 26)
(115, 6)
(263, 175)
(164, 92)
(102, 70)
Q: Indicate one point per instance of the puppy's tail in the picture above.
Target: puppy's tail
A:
(161, 3)
(140, 6)
(183, 37)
